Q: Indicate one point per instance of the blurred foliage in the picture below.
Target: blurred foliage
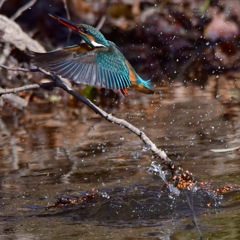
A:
(172, 32)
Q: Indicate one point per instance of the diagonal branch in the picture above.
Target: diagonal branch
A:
(118, 121)
(18, 89)
(57, 82)
(2, 2)
(23, 9)
(11, 33)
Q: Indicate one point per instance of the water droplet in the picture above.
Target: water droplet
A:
(136, 155)
(122, 138)
(105, 195)
(146, 148)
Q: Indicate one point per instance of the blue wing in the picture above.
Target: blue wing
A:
(104, 67)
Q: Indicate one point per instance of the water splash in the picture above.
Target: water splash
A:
(156, 168)
(146, 148)
(105, 195)
(136, 155)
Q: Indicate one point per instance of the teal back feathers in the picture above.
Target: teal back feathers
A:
(96, 62)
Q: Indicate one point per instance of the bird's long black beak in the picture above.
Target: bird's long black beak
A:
(65, 22)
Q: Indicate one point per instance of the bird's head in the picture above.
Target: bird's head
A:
(89, 34)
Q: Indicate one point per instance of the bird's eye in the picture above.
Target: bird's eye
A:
(82, 29)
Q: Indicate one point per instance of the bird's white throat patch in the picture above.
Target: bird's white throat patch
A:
(95, 44)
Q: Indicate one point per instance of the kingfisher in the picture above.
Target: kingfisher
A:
(95, 62)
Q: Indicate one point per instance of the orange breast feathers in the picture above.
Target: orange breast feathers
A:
(131, 73)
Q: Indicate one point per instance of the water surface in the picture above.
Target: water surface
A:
(54, 150)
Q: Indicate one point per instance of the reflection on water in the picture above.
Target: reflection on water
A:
(51, 151)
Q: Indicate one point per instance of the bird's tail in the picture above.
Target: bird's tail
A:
(143, 86)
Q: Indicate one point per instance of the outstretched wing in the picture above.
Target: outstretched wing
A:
(104, 67)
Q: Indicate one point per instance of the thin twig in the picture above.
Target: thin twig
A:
(12, 34)
(23, 9)
(19, 89)
(18, 69)
(101, 22)
(14, 100)
(66, 9)
(68, 17)
(2, 2)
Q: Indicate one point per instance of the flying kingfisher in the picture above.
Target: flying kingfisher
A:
(97, 62)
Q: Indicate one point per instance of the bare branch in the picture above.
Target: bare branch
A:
(104, 114)
(23, 9)
(101, 22)
(2, 2)
(18, 69)
(14, 100)
(109, 117)
(13, 34)
(66, 9)
(19, 89)
(58, 82)
(68, 17)
(139, 133)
